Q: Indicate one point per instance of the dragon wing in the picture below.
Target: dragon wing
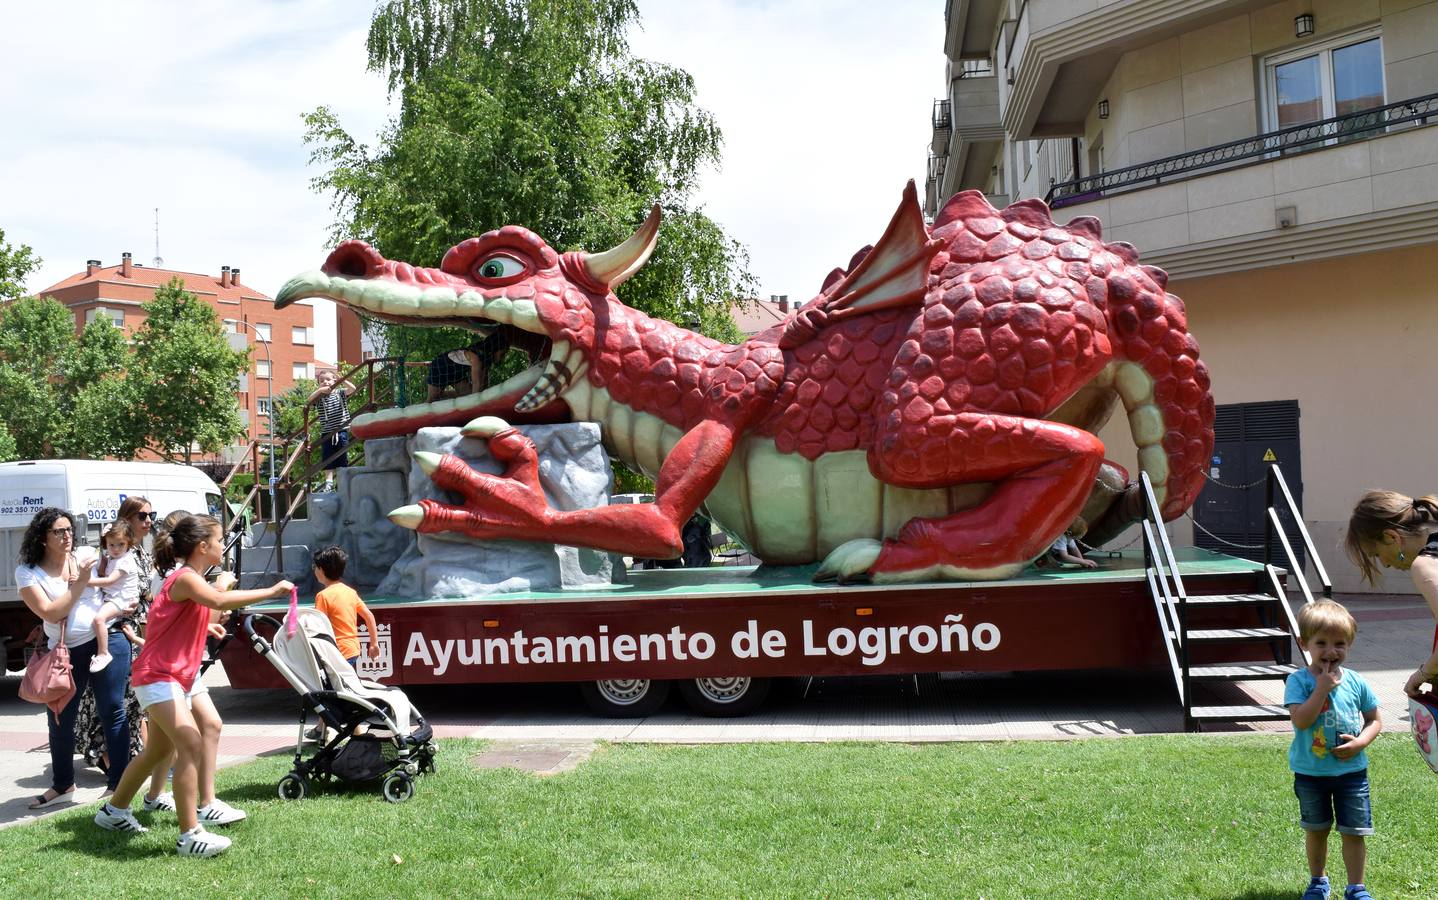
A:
(894, 273)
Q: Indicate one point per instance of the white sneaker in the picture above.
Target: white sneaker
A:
(113, 818)
(165, 802)
(200, 842)
(219, 813)
(98, 663)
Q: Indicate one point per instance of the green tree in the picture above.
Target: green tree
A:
(62, 397)
(38, 351)
(532, 113)
(16, 264)
(8, 450)
(184, 373)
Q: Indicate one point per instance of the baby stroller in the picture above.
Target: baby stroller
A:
(378, 734)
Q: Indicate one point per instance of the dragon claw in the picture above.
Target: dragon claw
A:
(409, 516)
(849, 561)
(427, 461)
(484, 427)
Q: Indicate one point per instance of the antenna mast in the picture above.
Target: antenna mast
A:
(157, 262)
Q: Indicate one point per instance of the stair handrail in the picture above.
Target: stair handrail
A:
(299, 443)
(1158, 556)
(1167, 620)
(1282, 597)
(1277, 484)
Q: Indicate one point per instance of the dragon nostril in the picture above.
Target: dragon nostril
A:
(353, 259)
(351, 264)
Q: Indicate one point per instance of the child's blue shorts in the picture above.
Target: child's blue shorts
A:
(1321, 798)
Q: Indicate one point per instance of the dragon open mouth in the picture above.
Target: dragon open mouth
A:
(429, 297)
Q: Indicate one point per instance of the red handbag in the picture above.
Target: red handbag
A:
(48, 677)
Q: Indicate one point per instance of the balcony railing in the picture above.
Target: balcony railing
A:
(937, 165)
(975, 68)
(942, 119)
(1286, 141)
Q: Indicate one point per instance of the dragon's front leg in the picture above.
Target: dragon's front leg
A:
(1043, 470)
(512, 505)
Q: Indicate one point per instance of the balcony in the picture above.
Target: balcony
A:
(1058, 55)
(942, 129)
(974, 97)
(1349, 184)
(969, 27)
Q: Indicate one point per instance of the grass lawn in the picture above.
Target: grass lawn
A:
(1152, 817)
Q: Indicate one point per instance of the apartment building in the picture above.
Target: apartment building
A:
(1278, 160)
(283, 339)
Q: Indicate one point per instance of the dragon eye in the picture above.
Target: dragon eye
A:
(499, 266)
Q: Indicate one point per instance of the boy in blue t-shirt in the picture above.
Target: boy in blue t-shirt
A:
(1335, 715)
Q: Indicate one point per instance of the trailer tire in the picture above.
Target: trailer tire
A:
(624, 698)
(727, 697)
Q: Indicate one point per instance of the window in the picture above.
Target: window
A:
(1335, 78)
(262, 406)
(116, 317)
(300, 335)
(262, 368)
(262, 331)
(301, 370)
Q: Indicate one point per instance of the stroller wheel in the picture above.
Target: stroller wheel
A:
(293, 787)
(398, 787)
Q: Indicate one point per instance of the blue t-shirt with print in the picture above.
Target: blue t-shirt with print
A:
(1312, 750)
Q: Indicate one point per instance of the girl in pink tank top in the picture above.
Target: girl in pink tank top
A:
(166, 672)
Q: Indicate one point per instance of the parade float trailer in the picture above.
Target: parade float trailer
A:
(897, 453)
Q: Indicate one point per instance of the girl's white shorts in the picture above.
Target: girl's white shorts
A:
(165, 691)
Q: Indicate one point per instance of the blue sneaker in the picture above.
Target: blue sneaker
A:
(1357, 892)
(1318, 889)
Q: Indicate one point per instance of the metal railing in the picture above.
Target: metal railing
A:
(301, 466)
(942, 119)
(1285, 141)
(1170, 601)
(1277, 487)
(975, 68)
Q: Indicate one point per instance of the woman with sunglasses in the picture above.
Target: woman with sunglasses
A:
(89, 726)
(56, 587)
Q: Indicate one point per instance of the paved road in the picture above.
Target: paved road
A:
(1394, 634)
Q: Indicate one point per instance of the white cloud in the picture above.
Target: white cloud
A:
(114, 109)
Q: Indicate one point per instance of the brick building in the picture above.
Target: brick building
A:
(118, 293)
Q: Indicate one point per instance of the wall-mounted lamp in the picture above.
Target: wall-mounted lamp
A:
(1303, 25)
(1103, 108)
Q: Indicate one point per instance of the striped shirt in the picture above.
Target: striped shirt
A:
(334, 412)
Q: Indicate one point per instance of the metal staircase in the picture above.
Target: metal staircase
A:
(1215, 639)
(380, 382)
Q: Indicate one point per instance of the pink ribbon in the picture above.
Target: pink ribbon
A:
(293, 618)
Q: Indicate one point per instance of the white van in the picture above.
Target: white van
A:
(92, 491)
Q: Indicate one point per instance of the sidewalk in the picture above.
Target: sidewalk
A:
(1395, 633)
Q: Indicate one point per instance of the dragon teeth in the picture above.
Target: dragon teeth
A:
(525, 314)
(500, 310)
(564, 365)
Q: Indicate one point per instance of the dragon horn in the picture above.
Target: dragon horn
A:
(614, 267)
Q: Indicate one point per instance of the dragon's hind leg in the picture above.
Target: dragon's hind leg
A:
(1043, 470)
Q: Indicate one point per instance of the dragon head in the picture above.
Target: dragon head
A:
(506, 280)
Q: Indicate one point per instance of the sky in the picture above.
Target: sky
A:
(112, 110)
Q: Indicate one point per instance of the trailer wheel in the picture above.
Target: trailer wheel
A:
(737, 695)
(624, 698)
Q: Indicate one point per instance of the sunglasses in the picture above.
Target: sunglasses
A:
(151, 515)
(62, 532)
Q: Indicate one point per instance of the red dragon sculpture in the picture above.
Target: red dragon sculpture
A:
(930, 414)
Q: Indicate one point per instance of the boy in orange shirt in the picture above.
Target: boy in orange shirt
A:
(343, 606)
